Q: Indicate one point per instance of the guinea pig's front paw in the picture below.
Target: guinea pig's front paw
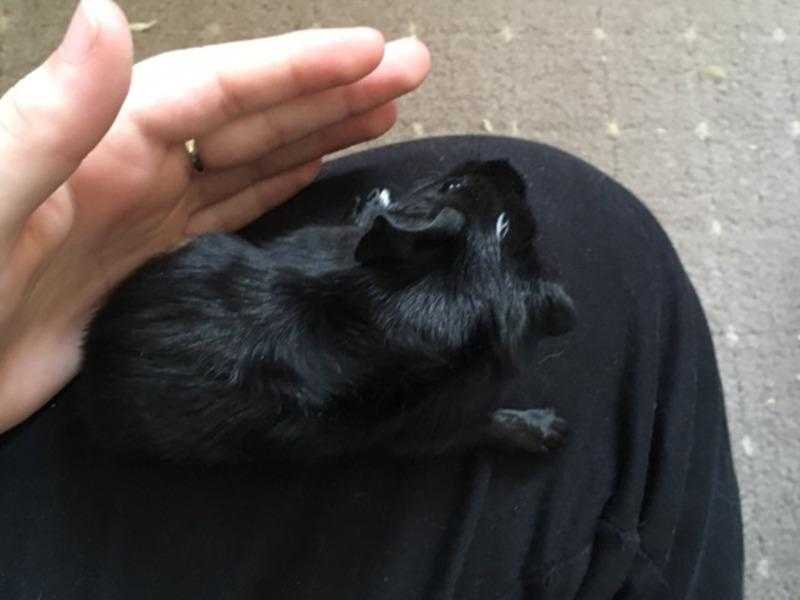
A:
(380, 196)
(532, 430)
(377, 201)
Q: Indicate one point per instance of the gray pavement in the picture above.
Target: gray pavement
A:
(694, 105)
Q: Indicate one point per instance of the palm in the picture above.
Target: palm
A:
(262, 124)
(131, 200)
(135, 195)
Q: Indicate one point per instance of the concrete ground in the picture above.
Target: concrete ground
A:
(694, 105)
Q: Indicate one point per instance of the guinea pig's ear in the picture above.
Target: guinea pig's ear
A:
(506, 174)
(501, 171)
(465, 168)
(391, 239)
(556, 310)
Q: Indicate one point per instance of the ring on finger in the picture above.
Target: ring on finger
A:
(193, 152)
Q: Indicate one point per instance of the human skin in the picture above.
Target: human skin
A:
(94, 177)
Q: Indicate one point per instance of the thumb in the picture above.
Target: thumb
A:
(52, 118)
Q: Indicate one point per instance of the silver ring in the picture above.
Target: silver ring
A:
(193, 152)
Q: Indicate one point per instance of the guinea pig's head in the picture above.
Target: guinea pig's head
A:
(472, 235)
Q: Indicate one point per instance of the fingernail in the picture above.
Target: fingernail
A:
(82, 33)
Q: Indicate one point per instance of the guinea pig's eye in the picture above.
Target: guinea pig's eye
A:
(452, 185)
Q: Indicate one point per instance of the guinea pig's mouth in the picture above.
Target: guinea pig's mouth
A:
(428, 199)
(419, 209)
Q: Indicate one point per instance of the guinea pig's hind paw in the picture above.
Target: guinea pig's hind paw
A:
(532, 430)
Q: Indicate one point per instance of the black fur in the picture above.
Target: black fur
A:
(388, 333)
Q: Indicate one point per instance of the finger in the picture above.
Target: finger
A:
(212, 85)
(51, 119)
(252, 202)
(404, 67)
(44, 233)
(219, 185)
(358, 129)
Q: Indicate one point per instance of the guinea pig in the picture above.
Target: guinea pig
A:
(388, 333)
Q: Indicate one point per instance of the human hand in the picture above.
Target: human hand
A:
(94, 178)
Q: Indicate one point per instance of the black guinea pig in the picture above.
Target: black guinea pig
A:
(388, 333)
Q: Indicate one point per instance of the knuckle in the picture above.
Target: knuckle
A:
(50, 223)
(378, 124)
(37, 125)
(231, 103)
(308, 173)
(353, 101)
(273, 131)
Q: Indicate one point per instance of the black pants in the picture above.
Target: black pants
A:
(641, 503)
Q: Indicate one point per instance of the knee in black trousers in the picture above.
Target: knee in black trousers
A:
(641, 503)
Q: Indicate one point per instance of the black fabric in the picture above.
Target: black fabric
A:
(641, 503)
